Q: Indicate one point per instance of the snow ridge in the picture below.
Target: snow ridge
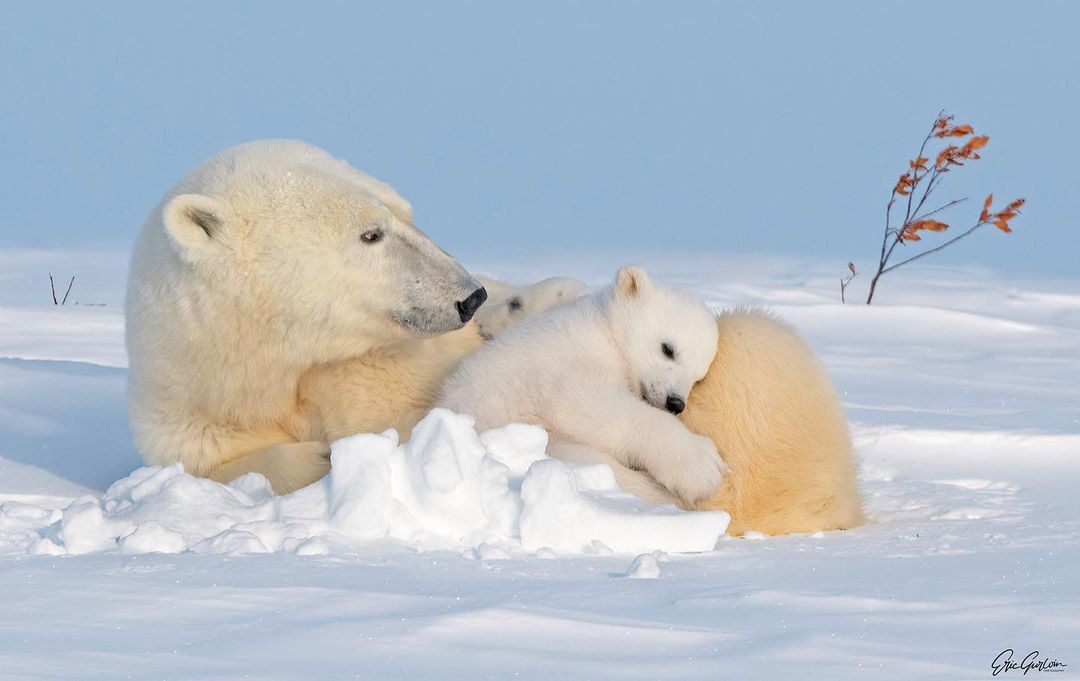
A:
(447, 488)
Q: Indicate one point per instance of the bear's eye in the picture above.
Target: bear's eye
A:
(668, 351)
(372, 236)
(515, 304)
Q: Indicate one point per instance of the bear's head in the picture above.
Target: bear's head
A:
(667, 338)
(315, 244)
(510, 305)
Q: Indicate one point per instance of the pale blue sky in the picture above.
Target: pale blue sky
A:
(555, 126)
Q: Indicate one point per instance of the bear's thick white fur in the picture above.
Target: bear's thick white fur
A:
(775, 417)
(261, 326)
(267, 261)
(600, 374)
(391, 387)
(395, 386)
(508, 304)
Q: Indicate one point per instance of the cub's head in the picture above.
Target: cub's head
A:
(316, 245)
(512, 304)
(667, 337)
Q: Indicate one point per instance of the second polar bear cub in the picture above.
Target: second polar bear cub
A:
(605, 376)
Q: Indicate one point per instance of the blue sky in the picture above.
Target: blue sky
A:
(556, 126)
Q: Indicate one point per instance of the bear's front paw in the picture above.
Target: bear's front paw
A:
(695, 470)
(297, 464)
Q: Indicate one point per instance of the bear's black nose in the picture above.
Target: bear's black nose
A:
(675, 404)
(468, 307)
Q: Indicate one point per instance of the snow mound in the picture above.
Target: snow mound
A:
(489, 494)
(645, 566)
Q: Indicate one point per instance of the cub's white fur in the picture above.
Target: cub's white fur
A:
(599, 374)
(508, 304)
(395, 386)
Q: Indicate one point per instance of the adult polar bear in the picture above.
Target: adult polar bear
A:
(268, 262)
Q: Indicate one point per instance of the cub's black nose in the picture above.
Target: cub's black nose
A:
(468, 307)
(675, 404)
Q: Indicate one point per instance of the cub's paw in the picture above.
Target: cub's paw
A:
(693, 470)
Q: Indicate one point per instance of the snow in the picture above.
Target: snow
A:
(465, 555)
(446, 488)
(644, 566)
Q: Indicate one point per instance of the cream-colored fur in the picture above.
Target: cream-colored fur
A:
(604, 375)
(266, 261)
(395, 386)
(260, 327)
(770, 409)
(508, 305)
(765, 402)
(776, 420)
(392, 387)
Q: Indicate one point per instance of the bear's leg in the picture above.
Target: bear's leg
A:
(391, 387)
(642, 437)
(288, 466)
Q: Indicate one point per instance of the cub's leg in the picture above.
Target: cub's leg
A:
(633, 482)
(642, 438)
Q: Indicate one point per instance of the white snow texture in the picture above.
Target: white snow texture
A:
(961, 386)
(446, 488)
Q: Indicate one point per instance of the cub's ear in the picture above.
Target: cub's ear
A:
(631, 281)
(193, 222)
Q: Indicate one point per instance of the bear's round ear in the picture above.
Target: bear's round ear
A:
(394, 202)
(631, 281)
(193, 222)
(497, 290)
(400, 209)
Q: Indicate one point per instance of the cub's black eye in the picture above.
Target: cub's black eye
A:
(668, 351)
(372, 236)
(515, 304)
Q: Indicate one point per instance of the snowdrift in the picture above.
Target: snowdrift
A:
(491, 494)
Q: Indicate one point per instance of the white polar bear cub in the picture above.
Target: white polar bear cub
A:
(507, 305)
(605, 376)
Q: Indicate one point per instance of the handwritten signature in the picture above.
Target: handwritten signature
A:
(1004, 663)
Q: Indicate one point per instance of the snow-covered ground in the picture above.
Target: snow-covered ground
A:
(962, 386)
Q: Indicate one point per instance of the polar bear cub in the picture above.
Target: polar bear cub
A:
(605, 375)
(507, 305)
(395, 386)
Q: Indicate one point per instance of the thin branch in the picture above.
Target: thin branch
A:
(898, 240)
(920, 176)
(888, 219)
(885, 255)
(935, 179)
(947, 206)
(844, 284)
(915, 172)
(70, 283)
(935, 249)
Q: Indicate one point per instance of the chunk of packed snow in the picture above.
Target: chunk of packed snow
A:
(359, 491)
(490, 494)
(568, 514)
(644, 566)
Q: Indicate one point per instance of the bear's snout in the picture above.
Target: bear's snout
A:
(675, 404)
(468, 307)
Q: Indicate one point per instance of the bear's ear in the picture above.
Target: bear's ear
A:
(401, 209)
(631, 281)
(193, 222)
